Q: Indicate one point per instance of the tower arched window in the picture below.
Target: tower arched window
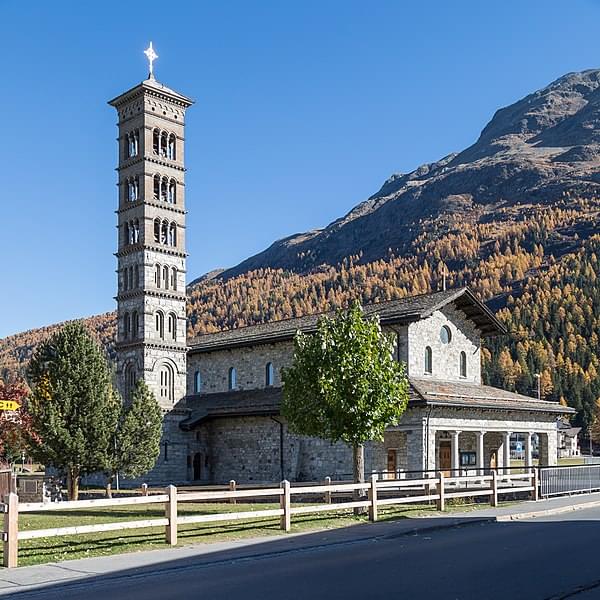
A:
(157, 270)
(463, 364)
(126, 325)
(130, 378)
(197, 382)
(164, 232)
(156, 180)
(135, 325)
(166, 383)
(171, 195)
(172, 240)
(165, 277)
(157, 230)
(172, 326)
(136, 231)
(164, 142)
(174, 278)
(164, 189)
(171, 147)
(160, 324)
(133, 188)
(156, 141)
(428, 360)
(269, 374)
(126, 233)
(232, 380)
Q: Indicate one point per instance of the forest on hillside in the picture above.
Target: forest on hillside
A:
(536, 266)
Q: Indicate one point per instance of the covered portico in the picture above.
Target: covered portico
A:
(452, 426)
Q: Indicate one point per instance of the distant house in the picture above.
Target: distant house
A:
(567, 443)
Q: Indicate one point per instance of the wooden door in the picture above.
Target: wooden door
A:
(391, 464)
(197, 466)
(446, 458)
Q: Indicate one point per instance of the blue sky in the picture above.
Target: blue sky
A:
(302, 110)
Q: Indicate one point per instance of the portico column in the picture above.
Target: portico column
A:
(454, 449)
(529, 449)
(479, 452)
(506, 452)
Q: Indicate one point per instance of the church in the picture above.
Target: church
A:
(221, 392)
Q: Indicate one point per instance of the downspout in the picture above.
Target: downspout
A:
(427, 437)
(281, 464)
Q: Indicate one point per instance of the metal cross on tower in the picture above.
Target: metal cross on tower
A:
(152, 56)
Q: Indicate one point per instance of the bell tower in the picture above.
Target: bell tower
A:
(151, 257)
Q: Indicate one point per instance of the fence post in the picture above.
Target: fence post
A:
(535, 495)
(285, 504)
(144, 489)
(494, 494)
(373, 499)
(11, 530)
(232, 488)
(327, 497)
(441, 501)
(171, 514)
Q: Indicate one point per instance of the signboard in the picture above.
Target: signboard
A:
(9, 405)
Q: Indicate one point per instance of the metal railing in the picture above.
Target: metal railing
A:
(576, 479)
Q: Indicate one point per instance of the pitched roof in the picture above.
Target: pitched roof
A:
(463, 394)
(152, 85)
(267, 401)
(402, 311)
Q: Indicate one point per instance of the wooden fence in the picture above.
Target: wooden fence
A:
(378, 493)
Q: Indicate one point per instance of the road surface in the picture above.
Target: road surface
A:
(551, 558)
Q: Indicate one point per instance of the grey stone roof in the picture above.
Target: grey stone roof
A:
(402, 311)
(459, 394)
(267, 401)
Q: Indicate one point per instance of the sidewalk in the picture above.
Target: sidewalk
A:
(134, 564)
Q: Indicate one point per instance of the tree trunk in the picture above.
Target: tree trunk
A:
(73, 483)
(358, 455)
(108, 491)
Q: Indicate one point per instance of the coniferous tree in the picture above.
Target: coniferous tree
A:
(73, 405)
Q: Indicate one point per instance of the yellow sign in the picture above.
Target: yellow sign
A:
(9, 405)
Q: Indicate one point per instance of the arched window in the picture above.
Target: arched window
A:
(126, 325)
(160, 324)
(463, 364)
(428, 360)
(130, 381)
(232, 378)
(172, 326)
(445, 335)
(165, 277)
(172, 192)
(156, 141)
(135, 324)
(133, 187)
(136, 231)
(156, 180)
(269, 374)
(166, 383)
(157, 270)
(197, 382)
(174, 278)
(164, 232)
(157, 230)
(164, 142)
(164, 188)
(171, 147)
(126, 233)
(172, 235)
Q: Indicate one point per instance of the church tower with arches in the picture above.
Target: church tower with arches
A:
(151, 256)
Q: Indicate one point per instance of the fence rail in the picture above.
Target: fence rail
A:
(378, 493)
(576, 479)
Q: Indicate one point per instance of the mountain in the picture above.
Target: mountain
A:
(537, 149)
(515, 216)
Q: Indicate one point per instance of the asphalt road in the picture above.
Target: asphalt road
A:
(551, 558)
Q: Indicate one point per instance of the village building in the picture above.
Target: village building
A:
(221, 392)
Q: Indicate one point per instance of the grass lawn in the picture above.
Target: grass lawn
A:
(44, 550)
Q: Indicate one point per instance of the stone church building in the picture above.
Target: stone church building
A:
(221, 392)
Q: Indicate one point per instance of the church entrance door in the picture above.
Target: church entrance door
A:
(446, 458)
(197, 466)
(391, 463)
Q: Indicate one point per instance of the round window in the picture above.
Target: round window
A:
(445, 335)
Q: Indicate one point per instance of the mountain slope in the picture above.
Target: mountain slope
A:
(538, 149)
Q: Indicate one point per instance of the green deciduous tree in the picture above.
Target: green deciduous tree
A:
(74, 407)
(344, 384)
(137, 439)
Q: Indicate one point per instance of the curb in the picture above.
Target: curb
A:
(547, 512)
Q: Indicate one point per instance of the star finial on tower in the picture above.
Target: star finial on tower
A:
(151, 56)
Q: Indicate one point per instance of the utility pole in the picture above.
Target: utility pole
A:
(539, 385)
